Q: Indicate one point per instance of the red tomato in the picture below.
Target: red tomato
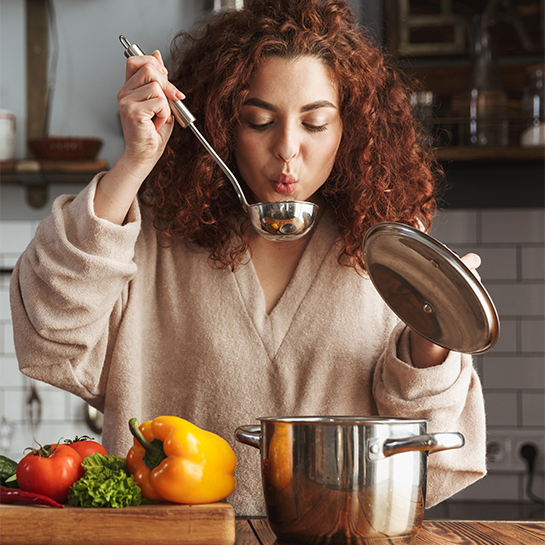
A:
(50, 471)
(85, 446)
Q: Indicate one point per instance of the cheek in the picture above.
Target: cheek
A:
(243, 150)
(325, 154)
(240, 152)
(250, 158)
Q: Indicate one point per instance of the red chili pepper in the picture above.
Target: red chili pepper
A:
(15, 495)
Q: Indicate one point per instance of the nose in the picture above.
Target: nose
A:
(286, 146)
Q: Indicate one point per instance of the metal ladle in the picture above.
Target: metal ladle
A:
(279, 220)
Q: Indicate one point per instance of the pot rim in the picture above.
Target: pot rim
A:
(349, 420)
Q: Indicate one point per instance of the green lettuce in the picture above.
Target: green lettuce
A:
(8, 470)
(105, 483)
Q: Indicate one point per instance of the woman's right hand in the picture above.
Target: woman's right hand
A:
(147, 125)
(145, 111)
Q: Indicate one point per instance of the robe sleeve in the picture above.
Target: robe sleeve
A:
(450, 396)
(67, 294)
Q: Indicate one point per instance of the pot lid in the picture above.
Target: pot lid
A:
(430, 288)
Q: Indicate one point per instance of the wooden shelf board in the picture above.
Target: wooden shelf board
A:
(482, 153)
(30, 172)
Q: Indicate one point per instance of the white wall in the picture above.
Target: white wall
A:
(511, 244)
(91, 61)
(12, 65)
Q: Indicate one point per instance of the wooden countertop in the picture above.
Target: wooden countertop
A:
(213, 524)
(436, 532)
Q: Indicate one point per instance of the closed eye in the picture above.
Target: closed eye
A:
(259, 126)
(315, 128)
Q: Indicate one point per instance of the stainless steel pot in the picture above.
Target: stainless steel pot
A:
(345, 480)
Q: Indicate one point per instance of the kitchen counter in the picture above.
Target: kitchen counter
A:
(214, 524)
(437, 532)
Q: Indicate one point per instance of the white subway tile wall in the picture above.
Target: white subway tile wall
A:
(62, 414)
(511, 244)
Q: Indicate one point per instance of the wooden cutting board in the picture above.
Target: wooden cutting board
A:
(168, 524)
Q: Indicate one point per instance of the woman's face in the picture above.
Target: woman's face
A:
(290, 129)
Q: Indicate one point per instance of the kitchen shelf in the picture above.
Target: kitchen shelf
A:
(39, 173)
(492, 179)
(482, 153)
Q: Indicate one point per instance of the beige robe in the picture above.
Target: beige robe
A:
(140, 330)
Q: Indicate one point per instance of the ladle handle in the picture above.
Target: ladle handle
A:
(185, 118)
(219, 161)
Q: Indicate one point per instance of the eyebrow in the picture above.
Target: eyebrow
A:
(307, 108)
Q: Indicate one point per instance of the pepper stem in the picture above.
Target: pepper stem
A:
(139, 436)
(154, 450)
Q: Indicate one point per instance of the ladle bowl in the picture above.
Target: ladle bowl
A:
(284, 220)
(279, 220)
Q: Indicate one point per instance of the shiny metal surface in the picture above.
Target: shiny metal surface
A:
(279, 220)
(344, 480)
(285, 220)
(430, 288)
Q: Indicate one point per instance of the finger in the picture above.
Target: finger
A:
(148, 72)
(174, 93)
(471, 260)
(170, 90)
(145, 104)
(157, 103)
(141, 94)
(141, 87)
(163, 113)
(157, 55)
(136, 63)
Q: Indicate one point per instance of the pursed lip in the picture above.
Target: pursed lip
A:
(284, 184)
(285, 179)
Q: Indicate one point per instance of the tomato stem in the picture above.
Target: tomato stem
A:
(78, 439)
(44, 451)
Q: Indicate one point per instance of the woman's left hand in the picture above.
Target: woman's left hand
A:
(424, 353)
(473, 262)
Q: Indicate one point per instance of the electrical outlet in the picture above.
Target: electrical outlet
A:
(503, 450)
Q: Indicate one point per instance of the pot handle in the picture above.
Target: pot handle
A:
(249, 435)
(383, 447)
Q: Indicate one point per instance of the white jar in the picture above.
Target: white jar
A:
(7, 135)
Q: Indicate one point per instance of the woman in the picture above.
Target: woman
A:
(149, 293)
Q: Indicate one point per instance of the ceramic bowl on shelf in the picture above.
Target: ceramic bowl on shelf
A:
(65, 148)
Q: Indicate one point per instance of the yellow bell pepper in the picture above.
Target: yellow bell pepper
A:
(176, 461)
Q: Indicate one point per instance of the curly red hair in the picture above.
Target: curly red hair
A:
(381, 172)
